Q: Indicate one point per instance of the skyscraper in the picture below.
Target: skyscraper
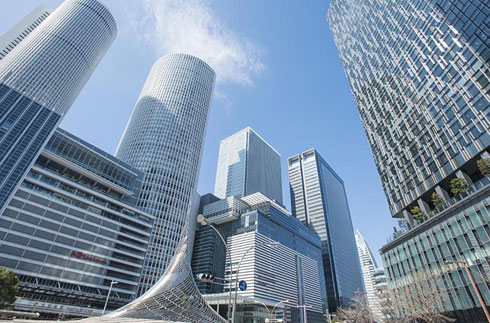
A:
(164, 138)
(419, 72)
(22, 29)
(40, 79)
(247, 164)
(368, 269)
(319, 200)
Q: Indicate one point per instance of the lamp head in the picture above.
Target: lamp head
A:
(202, 220)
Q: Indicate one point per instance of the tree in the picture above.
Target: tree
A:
(417, 213)
(458, 185)
(8, 286)
(387, 305)
(403, 225)
(419, 300)
(437, 200)
(484, 166)
(425, 298)
(357, 312)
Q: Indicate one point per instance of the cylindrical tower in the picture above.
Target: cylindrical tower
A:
(40, 79)
(164, 138)
(52, 65)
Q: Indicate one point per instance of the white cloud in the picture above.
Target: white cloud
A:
(192, 27)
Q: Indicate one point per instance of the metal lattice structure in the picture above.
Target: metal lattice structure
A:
(174, 297)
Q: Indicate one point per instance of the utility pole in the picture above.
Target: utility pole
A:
(477, 292)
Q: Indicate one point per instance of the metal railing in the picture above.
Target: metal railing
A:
(475, 187)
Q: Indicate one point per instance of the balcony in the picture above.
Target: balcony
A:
(472, 189)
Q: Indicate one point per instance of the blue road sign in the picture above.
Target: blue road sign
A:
(242, 285)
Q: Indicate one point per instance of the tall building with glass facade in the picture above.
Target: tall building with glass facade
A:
(419, 71)
(40, 79)
(72, 227)
(248, 164)
(318, 199)
(368, 269)
(164, 138)
(22, 29)
(291, 272)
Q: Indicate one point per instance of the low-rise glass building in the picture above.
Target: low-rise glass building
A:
(291, 272)
(72, 228)
(460, 232)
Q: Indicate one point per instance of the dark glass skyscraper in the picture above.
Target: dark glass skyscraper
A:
(419, 71)
(318, 199)
(42, 76)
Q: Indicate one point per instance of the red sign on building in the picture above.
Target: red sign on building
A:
(81, 255)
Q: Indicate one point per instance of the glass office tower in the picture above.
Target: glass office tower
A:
(40, 79)
(419, 71)
(164, 138)
(318, 199)
(248, 164)
(22, 29)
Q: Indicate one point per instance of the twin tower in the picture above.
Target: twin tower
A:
(41, 78)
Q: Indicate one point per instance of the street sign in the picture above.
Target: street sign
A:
(242, 285)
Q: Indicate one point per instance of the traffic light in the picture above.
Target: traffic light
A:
(205, 277)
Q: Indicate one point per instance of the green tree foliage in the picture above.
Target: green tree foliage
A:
(417, 213)
(437, 201)
(458, 186)
(8, 286)
(335, 320)
(484, 166)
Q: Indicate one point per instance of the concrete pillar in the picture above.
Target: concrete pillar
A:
(442, 193)
(424, 206)
(461, 174)
(409, 218)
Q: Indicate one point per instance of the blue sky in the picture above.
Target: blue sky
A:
(278, 72)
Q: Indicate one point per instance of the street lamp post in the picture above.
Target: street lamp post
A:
(108, 294)
(270, 313)
(202, 220)
(266, 307)
(477, 292)
(275, 306)
(270, 245)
